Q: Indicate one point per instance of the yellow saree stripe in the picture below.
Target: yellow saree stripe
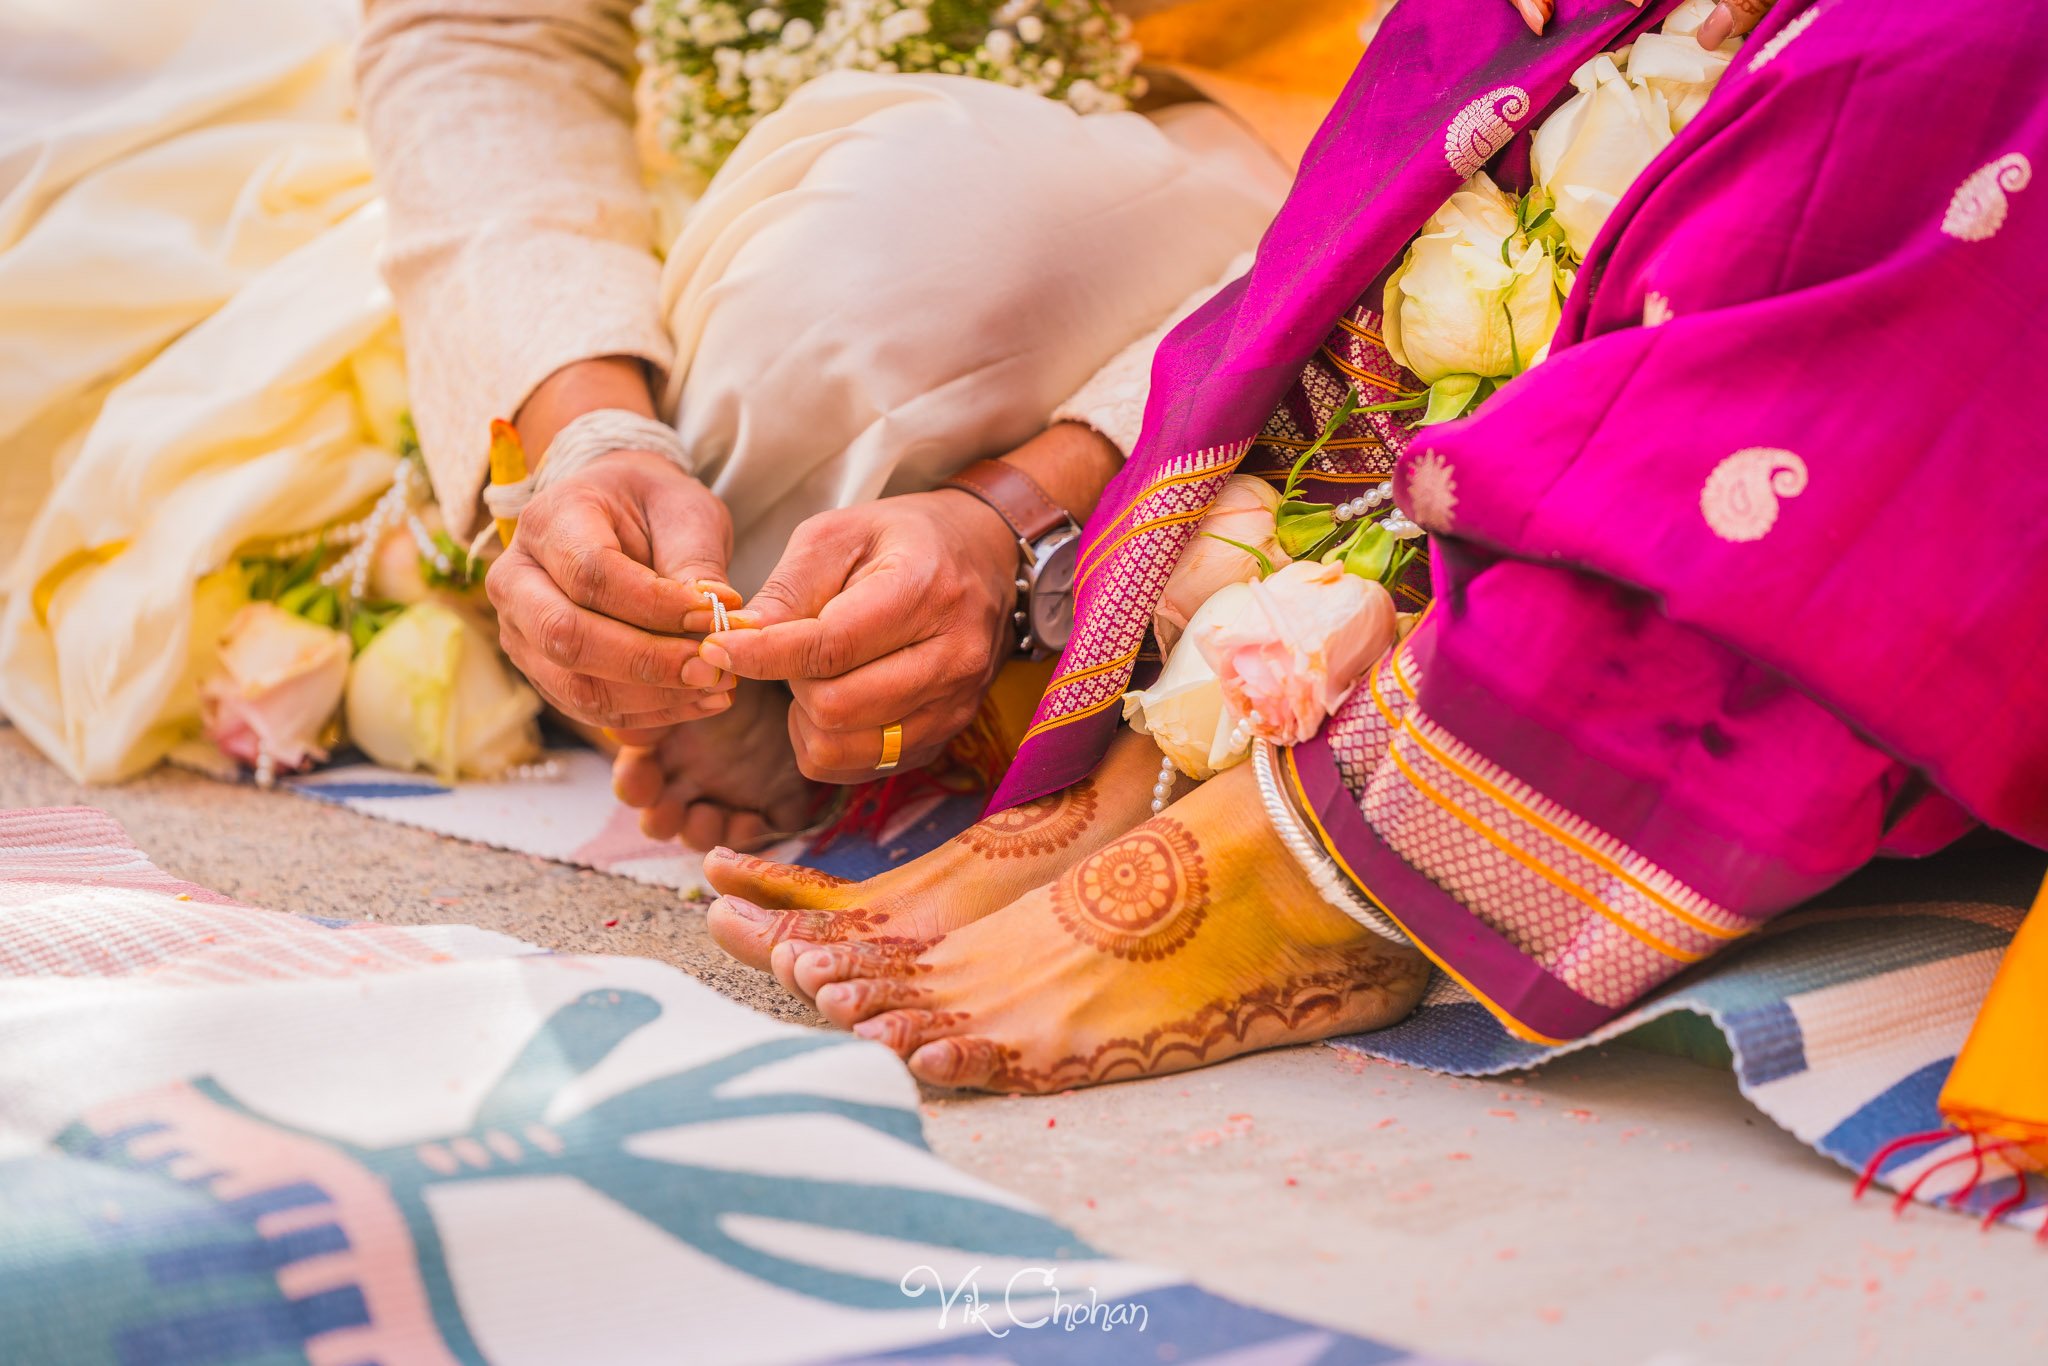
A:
(1507, 1019)
(1163, 482)
(1532, 863)
(1340, 443)
(1055, 722)
(1360, 331)
(1532, 816)
(1380, 382)
(1065, 680)
(1191, 515)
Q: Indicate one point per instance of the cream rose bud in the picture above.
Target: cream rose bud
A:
(1672, 62)
(1243, 512)
(277, 684)
(1287, 664)
(1454, 307)
(1591, 150)
(431, 692)
(1183, 711)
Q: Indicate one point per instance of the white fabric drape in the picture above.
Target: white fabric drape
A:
(188, 294)
(897, 275)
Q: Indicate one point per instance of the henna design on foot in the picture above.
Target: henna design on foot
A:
(1139, 899)
(1293, 1010)
(792, 874)
(904, 1031)
(826, 927)
(1035, 829)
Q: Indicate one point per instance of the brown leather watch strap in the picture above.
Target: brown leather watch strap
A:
(1014, 495)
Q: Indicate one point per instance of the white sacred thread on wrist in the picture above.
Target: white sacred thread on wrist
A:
(594, 434)
(1328, 879)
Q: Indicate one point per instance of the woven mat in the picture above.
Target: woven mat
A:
(1842, 1018)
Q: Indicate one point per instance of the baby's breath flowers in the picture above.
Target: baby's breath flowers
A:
(712, 69)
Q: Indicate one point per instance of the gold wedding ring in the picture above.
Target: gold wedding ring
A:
(892, 748)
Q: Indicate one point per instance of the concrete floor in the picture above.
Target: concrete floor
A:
(1617, 1207)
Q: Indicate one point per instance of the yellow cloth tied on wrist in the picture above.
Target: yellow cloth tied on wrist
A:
(1999, 1086)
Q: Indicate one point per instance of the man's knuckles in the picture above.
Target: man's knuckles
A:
(649, 663)
(586, 698)
(559, 631)
(586, 569)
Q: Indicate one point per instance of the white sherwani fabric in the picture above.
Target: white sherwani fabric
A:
(896, 275)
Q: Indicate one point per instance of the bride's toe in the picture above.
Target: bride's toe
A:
(846, 1004)
(967, 1063)
(744, 930)
(905, 1032)
(814, 965)
(763, 880)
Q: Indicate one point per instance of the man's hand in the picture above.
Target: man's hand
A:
(898, 612)
(607, 570)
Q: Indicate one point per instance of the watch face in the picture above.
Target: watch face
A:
(1051, 605)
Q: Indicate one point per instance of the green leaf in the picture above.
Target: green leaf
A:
(1371, 552)
(299, 596)
(1265, 560)
(1450, 398)
(461, 574)
(1302, 526)
(368, 619)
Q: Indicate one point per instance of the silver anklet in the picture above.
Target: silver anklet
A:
(1323, 873)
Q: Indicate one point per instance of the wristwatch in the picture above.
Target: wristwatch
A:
(1049, 541)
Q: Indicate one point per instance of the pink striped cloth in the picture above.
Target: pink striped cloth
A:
(78, 899)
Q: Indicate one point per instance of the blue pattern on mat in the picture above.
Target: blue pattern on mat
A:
(1876, 938)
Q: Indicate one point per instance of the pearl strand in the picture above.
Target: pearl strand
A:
(1162, 791)
(1169, 772)
(334, 537)
(391, 509)
(1365, 503)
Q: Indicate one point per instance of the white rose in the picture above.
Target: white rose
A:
(1672, 62)
(431, 692)
(1591, 150)
(1454, 307)
(1184, 711)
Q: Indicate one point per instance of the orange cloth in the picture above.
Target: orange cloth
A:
(1999, 1087)
(1276, 64)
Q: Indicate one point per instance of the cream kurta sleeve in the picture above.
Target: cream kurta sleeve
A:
(520, 234)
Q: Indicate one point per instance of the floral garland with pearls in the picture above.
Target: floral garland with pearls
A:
(712, 69)
(1277, 610)
(370, 629)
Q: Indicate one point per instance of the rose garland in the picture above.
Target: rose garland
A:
(1282, 603)
(714, 68)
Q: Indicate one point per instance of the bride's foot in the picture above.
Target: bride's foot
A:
(1194, 938)
(729, 779)
(763, 903)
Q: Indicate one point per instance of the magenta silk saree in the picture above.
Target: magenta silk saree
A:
(1746, 584)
